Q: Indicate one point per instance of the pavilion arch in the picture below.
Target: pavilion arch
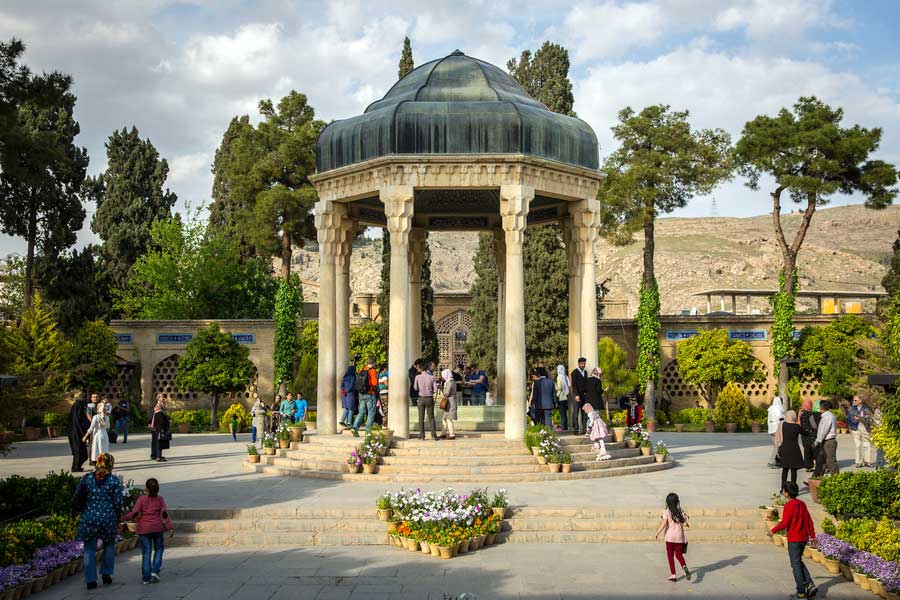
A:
(453, 331)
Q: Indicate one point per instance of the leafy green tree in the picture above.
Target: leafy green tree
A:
(481, 345)
(811, 157)
(306, 373)
(732, 406)
(91, 357)
(288, 306)
(611, 358)
(365, 343)
(186, 274)
(891, 280)
(71, 284)
(546, 296)
(12, 287)
(266, 177)
(545, 76)
(130, 198)
(39, 351)
(710, 360)
(406, 60)
(216, 364)
(40, 199)
(830, 353)
(659, 166)
(890, 330)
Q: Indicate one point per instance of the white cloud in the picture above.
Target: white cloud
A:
(186, 166)
(612, 28)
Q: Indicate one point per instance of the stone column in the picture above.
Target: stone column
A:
(586, 216)
(500, 258)
(398, 208)
(514, 202)
(328, 216)
(147, 401)
(417, 243)
(567, 227)
(347, 234)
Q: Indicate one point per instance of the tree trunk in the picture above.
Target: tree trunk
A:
(214, 410)
(649, 282)
(286, 255)
(29, 259)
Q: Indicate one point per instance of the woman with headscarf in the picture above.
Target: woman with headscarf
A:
(258, 420)
(775, 416)
(809, 425)
(787, 438)
(99, 497)
(97, 433)
(78, 427)
(159, 430)
(349, 398)
(563, 386)
(448, 415)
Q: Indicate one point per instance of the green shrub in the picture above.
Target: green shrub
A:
(51, 494)
(880, 537)
(758, 415)
(198, 418)
(695, 416)
(617, 418)
(34, 421)
(872, 494)
(732, 406)
(235, 410)
(310, 416)
(56, 420)
(662, 418)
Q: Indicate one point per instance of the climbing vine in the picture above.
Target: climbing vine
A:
(287, 307)
(783, 308)
(648, 335)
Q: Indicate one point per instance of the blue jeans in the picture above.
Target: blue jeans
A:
(477, 398)
(564, 414)
(151, 543)
(367, 410)
(347, 416)
(253, 434)
(801, 574)
(107, 566)
(122, 428)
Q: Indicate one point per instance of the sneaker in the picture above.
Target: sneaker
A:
(154, 577)
(107, 579)
(687, 573)
(673, 578)
(355, 432)
(92, 585)
(145, 582)
(811, 591)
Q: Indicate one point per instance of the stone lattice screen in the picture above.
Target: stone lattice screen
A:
(451, 349)
(164, 382)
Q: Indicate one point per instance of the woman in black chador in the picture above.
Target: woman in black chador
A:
(78, 424)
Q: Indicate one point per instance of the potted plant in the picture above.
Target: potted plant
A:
(662, 452)
(813, 484)
(634, 437)
(499, 503)
(32, 430)
(252, 453)
(297, 430)
(732, 408)
(284, 435)
(369, 461)
(182, 420)
(766, 511)
(55, 423)
(268, 444)
(566, 460)
(354, 461)
(646, 446)
(679, 427)
(651, 426)
(383, 504)
(554, 462)
(755, 427)
(710, 426)
(310, 419)
(862, 564)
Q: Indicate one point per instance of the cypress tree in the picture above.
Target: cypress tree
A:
(481, 346)
(406, 60)
(429, 335)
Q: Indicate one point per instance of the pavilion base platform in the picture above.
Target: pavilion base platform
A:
(470, 418)
(311, 526)
(476, 458)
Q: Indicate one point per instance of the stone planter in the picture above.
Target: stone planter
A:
(679, 427)
(541, 460)
(24, 589)
(833, 566)
(710, 426)
(491, 537)
(446, 552)
(877, 587)
(731, 427)
(38, 584)
(368, 469)
(269, 451)
(481, 540)
(184, 428)
(619, 432)
(536, 450)
(352, 468)
(253, 458)
(412, 545)
(660, 457)
(464, 546)
(385, 514)
(632, 443)
(297, 432)
(846, 572)
(499, 511)
(554, 467)
(310, 424)
(859, 579)
(645, 450)
(566, 468)
(755, 427)
(284, 444)
(766, 512)
(392, 526)
(435, 550)
(651, 426)
(32, 434)
(814, 489)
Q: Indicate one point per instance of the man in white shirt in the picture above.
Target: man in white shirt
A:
(826, 442)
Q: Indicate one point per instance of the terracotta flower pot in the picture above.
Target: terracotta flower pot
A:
(32, 434)
(859, 579)
(412, 545)
(846, 572)
(535, 450)
(384, 514)
(446, 552)
(297, 432)
(833, 566)
(490, 539)
(463, 546)
(435, 550)
(554, 467)
(284, 444)
(651, 426)
(269, 451)
(632, 443)
(731, 427)
(38, 583)
(499, 511)
(52, 432)
(184, 428)
(310, 424)
(645, 450)
(541, 460)
(755, 427)
(814, 489)
(619, 432)
(710, 426)
(660, 457)
(392, 526)
(352, 468)
(679, 427)
(253, 458)
(566, 468)
(368, 469)
(877, 587)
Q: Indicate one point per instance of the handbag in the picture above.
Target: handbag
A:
(113, 435)
(164, 436)
(684, 548)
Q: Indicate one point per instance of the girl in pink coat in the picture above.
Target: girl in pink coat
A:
(596, 432)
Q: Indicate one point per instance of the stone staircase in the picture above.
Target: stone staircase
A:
(290, 527)
(471, 458)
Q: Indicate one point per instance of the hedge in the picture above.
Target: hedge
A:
(49, 495)
(695, 416)
(874, 494)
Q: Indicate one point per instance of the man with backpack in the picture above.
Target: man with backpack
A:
(367, 391)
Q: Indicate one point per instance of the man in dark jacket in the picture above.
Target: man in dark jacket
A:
(413, 373)
(78, 426)
(544, 396)
(579, 377)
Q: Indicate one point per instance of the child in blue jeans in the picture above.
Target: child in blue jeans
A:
(152, 518)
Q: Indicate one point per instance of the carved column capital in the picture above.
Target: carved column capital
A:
(418, 241)
(398, 209)
(346, 234)
(514, 203)
(328, 220)
(585, 217)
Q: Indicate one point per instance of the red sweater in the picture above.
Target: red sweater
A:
(797, 521)
(151, 515)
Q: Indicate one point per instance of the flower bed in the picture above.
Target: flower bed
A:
(369, 453)
(867, 564)
(443, 520)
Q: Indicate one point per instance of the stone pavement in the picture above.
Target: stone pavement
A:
(204, 471)
(507, 571)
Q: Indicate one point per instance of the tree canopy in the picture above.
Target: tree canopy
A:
(288, 307)
(546, 296)
(91, 357)
(709, 360)
(71, 285)
(830, 354)
(406, 60)
(481, 345)
(216, 364)
(891, 280)
(545, 75)
(619, 378)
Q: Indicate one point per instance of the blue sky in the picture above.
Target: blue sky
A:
(180, 70)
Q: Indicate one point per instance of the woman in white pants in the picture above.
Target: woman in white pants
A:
(448, 386)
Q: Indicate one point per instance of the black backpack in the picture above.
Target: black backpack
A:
(362, 382)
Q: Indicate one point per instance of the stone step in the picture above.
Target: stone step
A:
(599, 537)
(595, 465)
(443, 449)
(650, 523)
(590, 455)
(589, 447)
(276, 525)
(461, 425)
(337, 466)
(265, 538)
(452, 469)
(398, 458)
(627, 512)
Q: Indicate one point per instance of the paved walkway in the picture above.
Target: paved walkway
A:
(714, 470)
(510, 571)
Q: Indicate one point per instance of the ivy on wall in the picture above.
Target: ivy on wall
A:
(648, 335)
(287, 307)
(783, 308)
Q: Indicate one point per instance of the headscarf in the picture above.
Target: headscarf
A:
(790, 417)
(806, 406)
(446, 374)
(104, 464)
(562, 380)
(595, 372)
(160, 405)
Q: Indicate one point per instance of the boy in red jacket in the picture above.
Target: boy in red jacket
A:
(800, 530)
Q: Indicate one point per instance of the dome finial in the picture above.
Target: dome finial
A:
(457, 52)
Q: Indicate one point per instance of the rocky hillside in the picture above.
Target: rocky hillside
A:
(846, 248)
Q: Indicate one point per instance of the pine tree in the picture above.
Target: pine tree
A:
(130, 197)
(71, 281)
(481, 347)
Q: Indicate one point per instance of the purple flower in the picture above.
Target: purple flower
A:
(867, 563)
(12, 576)
(834, 548)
